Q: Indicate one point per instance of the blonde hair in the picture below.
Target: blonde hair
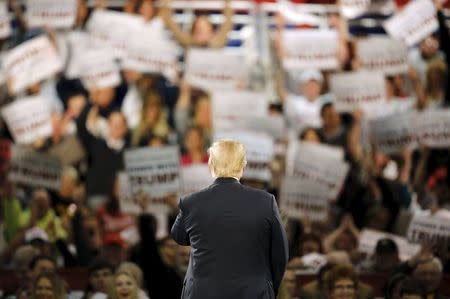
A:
(227, 158)
(112, 294)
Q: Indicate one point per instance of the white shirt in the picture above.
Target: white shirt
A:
(302, 113)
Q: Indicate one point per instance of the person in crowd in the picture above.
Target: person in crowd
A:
(309, 134)
(48, 285)
(123, 286)
(100, 272)
(138, 275)
(202, 33)
(342, 283)
(345, 237)
(393, 285)
(194, 147)
(429, 274)
(385, 258)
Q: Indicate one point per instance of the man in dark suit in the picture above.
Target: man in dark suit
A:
(239, 246)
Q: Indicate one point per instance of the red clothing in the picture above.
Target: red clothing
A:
(186, 159)
(113, 225)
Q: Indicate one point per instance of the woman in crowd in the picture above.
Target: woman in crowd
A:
(123, 286)
(194, 147)
(342, 282)
(48, 285)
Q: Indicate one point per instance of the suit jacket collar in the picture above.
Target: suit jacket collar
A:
(226, 180)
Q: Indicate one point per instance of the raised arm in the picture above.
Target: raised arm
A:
(183, 38)
(221, 37)
(444, 42)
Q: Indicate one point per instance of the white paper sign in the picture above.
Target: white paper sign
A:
(310, 49)
(53, 13)
(369, 238)
(128, 203)
(274, 125)
(259, 151)
(327, 171)
(28, 119)
(300, 199)
(216, 69)
(351, 9)
(358, 90)
(433, 128)
(5, 25)
(429, 229)
(35, 169)
(383, 54)
(395, 132)
(232, 109)
(80, 43)
(415, 22)
(195, 178)
(99, 70)
(392, 106)
(31, 62)
(155, 171)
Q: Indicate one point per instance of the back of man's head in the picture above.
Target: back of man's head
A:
(227, 158)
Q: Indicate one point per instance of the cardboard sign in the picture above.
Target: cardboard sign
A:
(195, 177)
(370, 90)
(215, 69)
(429, 229)
(383, 54)
(300, 198)
(99, 70)
(35, 169)
(433, 128)
(5, 25)
(231, 109)
(28, 119)
(310, 49)
(54, 13)
(415, 22)
(369, 238)
(155, 171)
(395, 132)
(31, 62)
(259, 151)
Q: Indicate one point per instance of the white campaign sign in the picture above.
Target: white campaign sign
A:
(5, 25)
(327, 171)
(433, 128)
(35, 169)
(395, 132)
(259, 149)
(232, 109)
(215, 69)
(195, 177)
(414, 23)
(383, 54)
(113, 29)
(98, 69)
(155, 171)
(309, 48)
(80, 43)
(28, 119)
(369, 238)
(53, 13)
(274, 125)
(358, 90)
(31, 62)
(300, 198)
(392, 106)
(425, 228)
(351, 9)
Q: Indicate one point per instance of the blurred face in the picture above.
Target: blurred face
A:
(429, 275)
(390, 90)
(194, 140)
(343, 289)
(203, 31)
(429, 47)
(311, 90)
(42, 266)
(102, 97)
(41, 201)
(290, 283)
(44, 289)
(117, 126)
(203, 113)
(68, 184)
(152, 113)
(75, 105)
(310, 246)
(125, 287)
(311, 136)
(330, 118)
(99, 279)
(146, 10)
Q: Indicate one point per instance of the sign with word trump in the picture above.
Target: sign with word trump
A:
(155, 171)
(232, 108)
(395, 132)
(259, 149)
(414, 23)
(5, 25)
(99, 70)
(195, 177)
(309, 48)
(54, 13)
(31, 62)
(303, 199)
(216, 69)
(34, 168)
(383, 54)
(433, 128)
(429, 229)
(361, 89)
(28, 119)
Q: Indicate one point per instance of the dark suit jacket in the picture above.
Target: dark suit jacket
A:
(239, 246)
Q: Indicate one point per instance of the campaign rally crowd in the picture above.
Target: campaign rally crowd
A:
(108, 109)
